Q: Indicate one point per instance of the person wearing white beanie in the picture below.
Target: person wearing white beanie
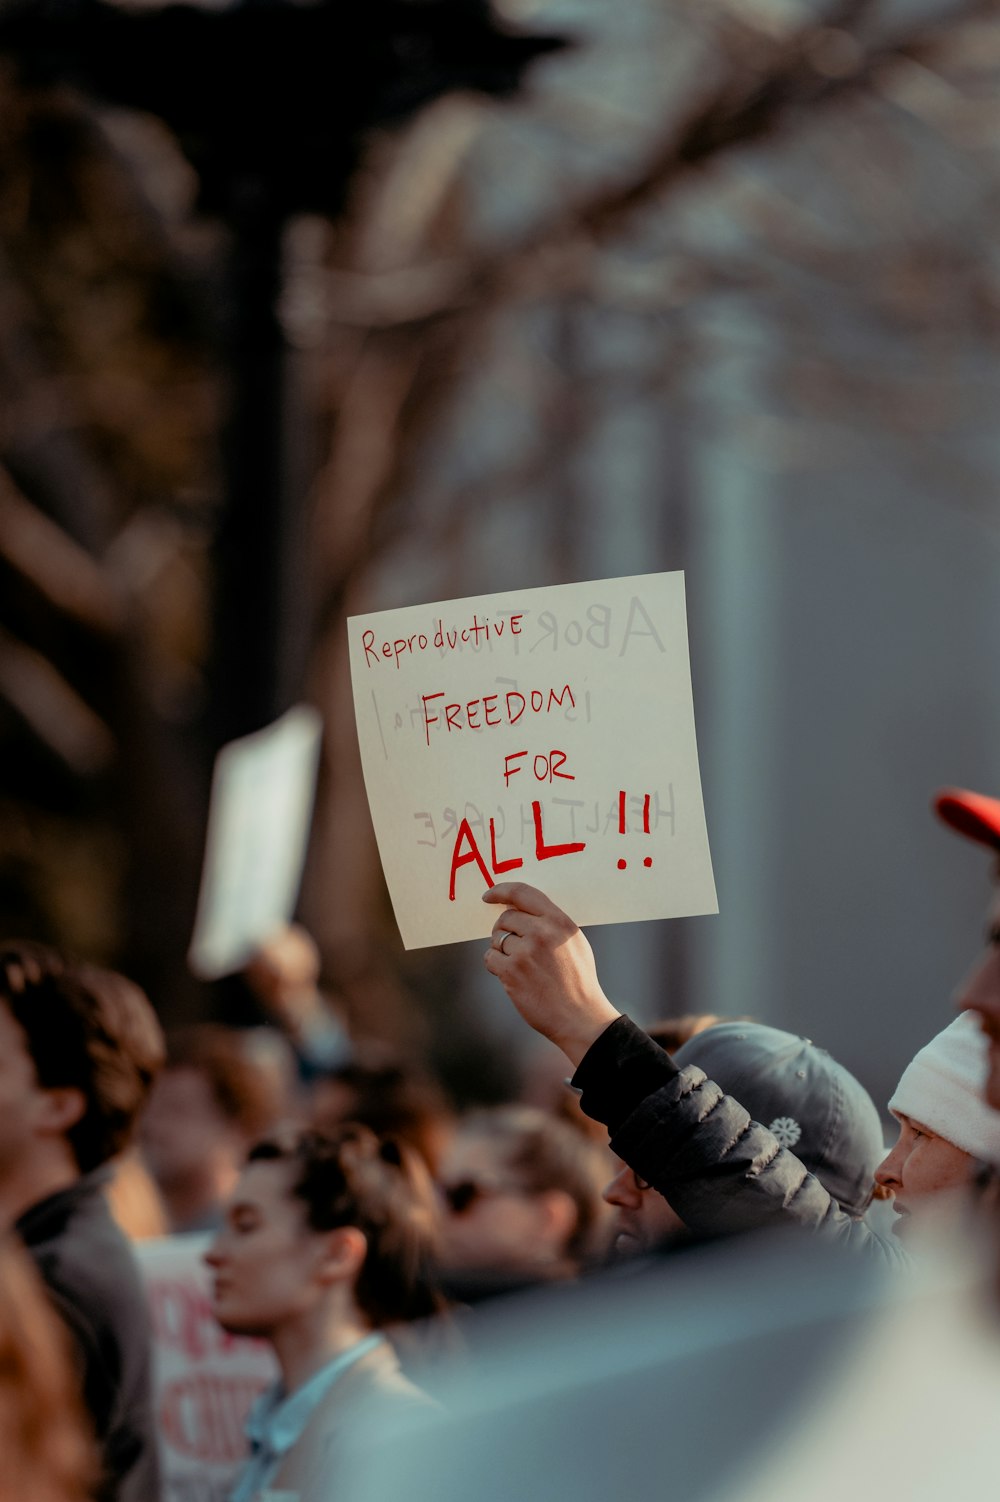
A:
(945, 1125)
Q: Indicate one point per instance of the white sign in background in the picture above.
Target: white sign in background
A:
(204, 1381)
(258, 829)
(543, 735)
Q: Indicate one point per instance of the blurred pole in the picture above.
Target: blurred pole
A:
(271, 102)
(251, 680)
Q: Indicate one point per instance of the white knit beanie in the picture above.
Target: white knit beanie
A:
(943, 1089)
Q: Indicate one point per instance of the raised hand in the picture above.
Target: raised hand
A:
(546, 965)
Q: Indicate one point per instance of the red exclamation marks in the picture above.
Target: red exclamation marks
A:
(648, 860)
(621, 824)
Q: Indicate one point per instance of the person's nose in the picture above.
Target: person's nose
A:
(213, 1257)
(889, 1173)
(623, 1190)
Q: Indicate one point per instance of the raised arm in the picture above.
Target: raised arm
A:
(721, 1171)
(546, 965)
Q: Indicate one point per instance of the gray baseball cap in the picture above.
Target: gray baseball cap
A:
(813, 1105)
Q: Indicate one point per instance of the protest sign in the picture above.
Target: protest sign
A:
(542, 735)
(204, 1381)
(258, 828)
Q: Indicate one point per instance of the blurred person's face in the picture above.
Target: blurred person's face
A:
(920, 1166)
(333, 1102)
(267, 1260)
(26, 1109)
(980, 992)
(183, 1133)
(643, 1218)
(491, 1222)
(285, 969)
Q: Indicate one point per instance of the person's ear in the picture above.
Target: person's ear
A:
(343, 1255)
(62, 1107)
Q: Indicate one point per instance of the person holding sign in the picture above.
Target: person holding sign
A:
(809, 1101)
(677, 1130)
(327, 1239)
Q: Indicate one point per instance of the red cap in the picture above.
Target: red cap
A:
(973, 815)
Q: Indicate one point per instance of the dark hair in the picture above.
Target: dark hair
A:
(351, 1177)
(89, 1030)
(390, 1099)
(544, 1152)
(246, 1092)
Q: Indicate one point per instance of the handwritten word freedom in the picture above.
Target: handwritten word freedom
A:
(497, 709)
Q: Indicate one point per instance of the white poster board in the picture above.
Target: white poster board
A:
(544, 735)
(258, 829)
(204, 1381)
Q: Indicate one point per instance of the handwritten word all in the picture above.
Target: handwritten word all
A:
(466, 851)
(571, 818)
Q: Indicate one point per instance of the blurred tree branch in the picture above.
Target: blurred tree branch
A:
(409, 321)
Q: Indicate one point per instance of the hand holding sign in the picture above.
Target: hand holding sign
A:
(548, 733)
(546, 966)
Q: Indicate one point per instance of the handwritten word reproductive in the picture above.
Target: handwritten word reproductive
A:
(451, 639)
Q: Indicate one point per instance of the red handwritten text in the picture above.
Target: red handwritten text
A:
(203, 1415)
(444, 640)
(466, 851)
(496, 709)
(648, 859)
(545, 766)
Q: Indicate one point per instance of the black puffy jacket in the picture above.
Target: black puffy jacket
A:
(720, 1171)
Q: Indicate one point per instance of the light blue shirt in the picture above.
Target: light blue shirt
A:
(276, 1422)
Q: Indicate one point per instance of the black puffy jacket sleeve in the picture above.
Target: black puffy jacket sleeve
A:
(698, 1147)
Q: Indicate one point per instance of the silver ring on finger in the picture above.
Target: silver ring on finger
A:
(503, 942)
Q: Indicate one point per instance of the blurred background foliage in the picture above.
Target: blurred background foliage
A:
(713, 285)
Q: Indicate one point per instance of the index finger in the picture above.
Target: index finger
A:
(525, 899)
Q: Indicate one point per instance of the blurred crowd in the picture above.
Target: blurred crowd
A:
(379, 1242)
